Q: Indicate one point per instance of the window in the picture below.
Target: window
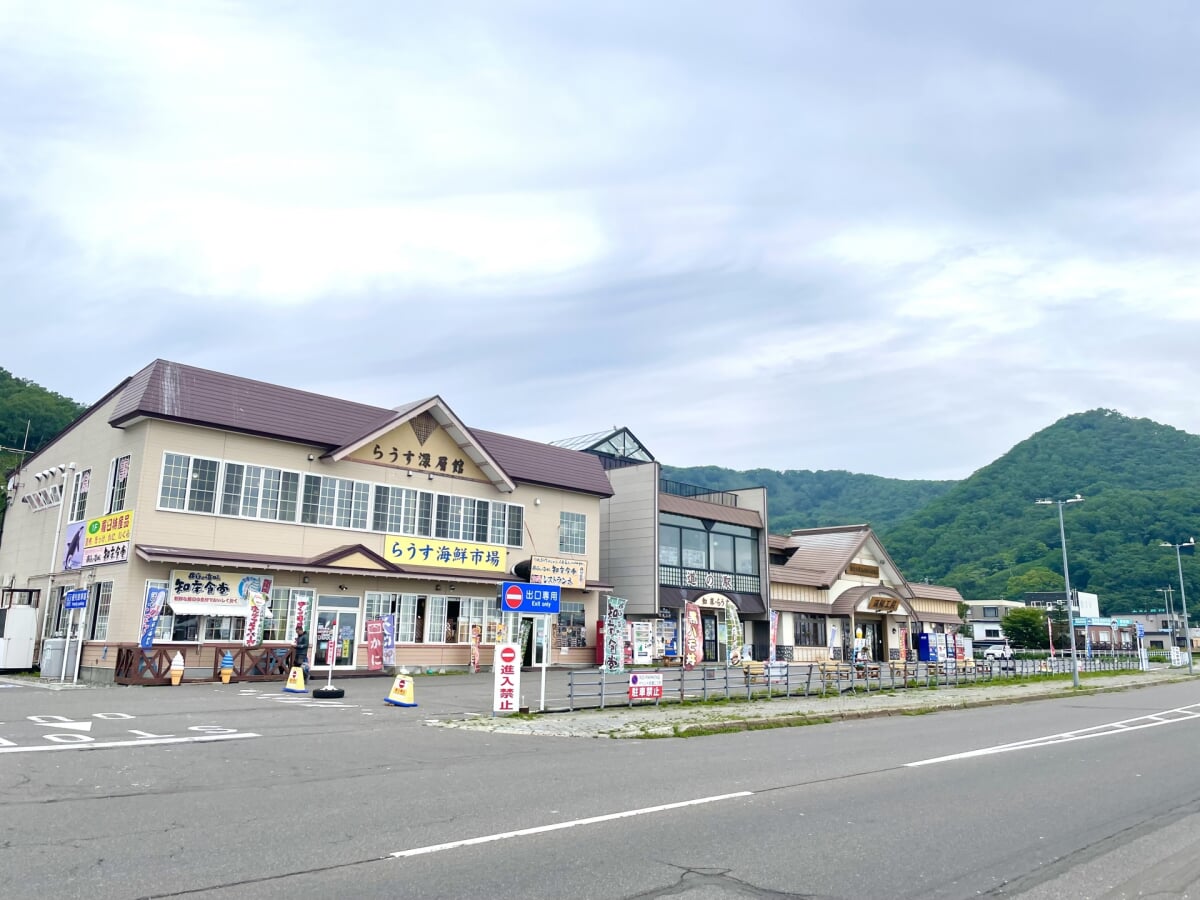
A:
(991, 612)
(516, 525)
(240, 494)
(720, 552)
(339, 502)
(695, 549)
(448, 522)
(224, 628)
(79, 495)
(188, 483)
(745, 556)
(991, 632)
(572, 627)
(282, 624)
(103, 604)
(378, 605)
(118, 485)
(572, 533)
(668, 545)
(435, 608)
(809, 630)
(281, 492)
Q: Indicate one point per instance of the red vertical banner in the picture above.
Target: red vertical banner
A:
(375, 646)
(693, 646)
(774, 634)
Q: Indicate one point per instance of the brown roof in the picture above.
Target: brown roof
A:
(819, 556)
(181, 393)
(700, 509)
(935, 592)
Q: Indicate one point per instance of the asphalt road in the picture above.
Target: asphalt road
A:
(232, 792)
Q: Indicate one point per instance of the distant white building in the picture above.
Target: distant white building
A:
(985, 617)
(1084, 605)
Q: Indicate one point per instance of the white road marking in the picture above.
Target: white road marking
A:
(206, 739)
(60, 722)
(1152, 720)
(558, 826)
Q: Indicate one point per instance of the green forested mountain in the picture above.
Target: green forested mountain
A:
(986, 537)
(26, 406)
(1141, 484)
(803, 499)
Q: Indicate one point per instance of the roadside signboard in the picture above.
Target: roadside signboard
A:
(375, 645)
(506, 678)
(646, 686)
(76, 599)
(519, 596)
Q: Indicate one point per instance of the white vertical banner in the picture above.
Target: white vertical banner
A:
(506, 678)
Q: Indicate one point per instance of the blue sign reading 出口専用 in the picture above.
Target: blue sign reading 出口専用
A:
(518, 596)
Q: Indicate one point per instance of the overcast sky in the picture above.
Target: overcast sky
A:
(893, 238)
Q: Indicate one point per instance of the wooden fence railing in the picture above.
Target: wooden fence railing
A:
(153, 666)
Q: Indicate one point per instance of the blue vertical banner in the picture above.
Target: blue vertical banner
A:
(389, 639)
(155, 598)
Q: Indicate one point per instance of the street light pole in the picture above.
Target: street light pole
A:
(1062, 534)
(1187, 637)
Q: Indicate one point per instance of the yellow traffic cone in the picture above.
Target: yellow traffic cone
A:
(402, 693)
(295, 682)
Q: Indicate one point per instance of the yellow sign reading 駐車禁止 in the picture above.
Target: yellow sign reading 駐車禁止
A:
(437, 553)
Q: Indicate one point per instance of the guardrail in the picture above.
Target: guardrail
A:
(595, 688)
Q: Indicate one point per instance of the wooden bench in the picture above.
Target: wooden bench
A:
(754, 671)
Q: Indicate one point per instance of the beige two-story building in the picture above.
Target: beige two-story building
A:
(202, 512)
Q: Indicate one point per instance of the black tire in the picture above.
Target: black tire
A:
(328, 693)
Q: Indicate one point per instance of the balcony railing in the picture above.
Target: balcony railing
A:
(675, 576)
(696, 492)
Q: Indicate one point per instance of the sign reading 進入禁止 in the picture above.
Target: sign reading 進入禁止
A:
(506, 678)
(438, 554)
(517, 596)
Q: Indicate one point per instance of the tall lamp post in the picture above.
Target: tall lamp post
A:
(1187, 636)
(1062, 534)
(1168, 596)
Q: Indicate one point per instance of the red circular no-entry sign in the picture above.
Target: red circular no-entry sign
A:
(507, 654)
(513, 597)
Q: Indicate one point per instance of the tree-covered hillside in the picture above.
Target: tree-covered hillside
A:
(25, 405)
(986, 536)
(804, 499)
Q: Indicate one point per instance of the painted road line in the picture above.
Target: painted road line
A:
(1124, 726)
(146, 742)
(559, 826)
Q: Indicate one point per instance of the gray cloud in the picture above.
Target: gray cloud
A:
(892, 238)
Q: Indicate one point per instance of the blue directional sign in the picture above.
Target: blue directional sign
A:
(517, 596)
(75, 599)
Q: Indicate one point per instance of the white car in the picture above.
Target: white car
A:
(998, 651)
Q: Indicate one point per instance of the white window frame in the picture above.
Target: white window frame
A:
(118, 485)
(572, 533)
(79, 495)
(103, 611)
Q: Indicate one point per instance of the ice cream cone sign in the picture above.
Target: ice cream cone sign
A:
(226, 667)
(177, 668)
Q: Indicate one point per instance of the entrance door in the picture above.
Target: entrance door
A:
(708, 625)
(339, 625)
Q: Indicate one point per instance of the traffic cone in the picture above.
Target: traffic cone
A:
(402, 693)
(295, 682)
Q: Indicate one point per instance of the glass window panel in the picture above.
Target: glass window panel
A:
(572, 532)
(202, 493)
(425, 514)
(499, 523)
(516, 525)
(231, 496)
(310, 509)
(435, 613)
(694, 549)
(172, 492)
(250, 491)
(668, 545)
(746, 561)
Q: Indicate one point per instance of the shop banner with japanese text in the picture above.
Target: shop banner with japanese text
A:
(389, 639)
(375, 646)
(156, 597)
(614, 635)
(693, 646)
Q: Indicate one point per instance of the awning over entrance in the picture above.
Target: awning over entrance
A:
(882, 600)
(675, 598)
